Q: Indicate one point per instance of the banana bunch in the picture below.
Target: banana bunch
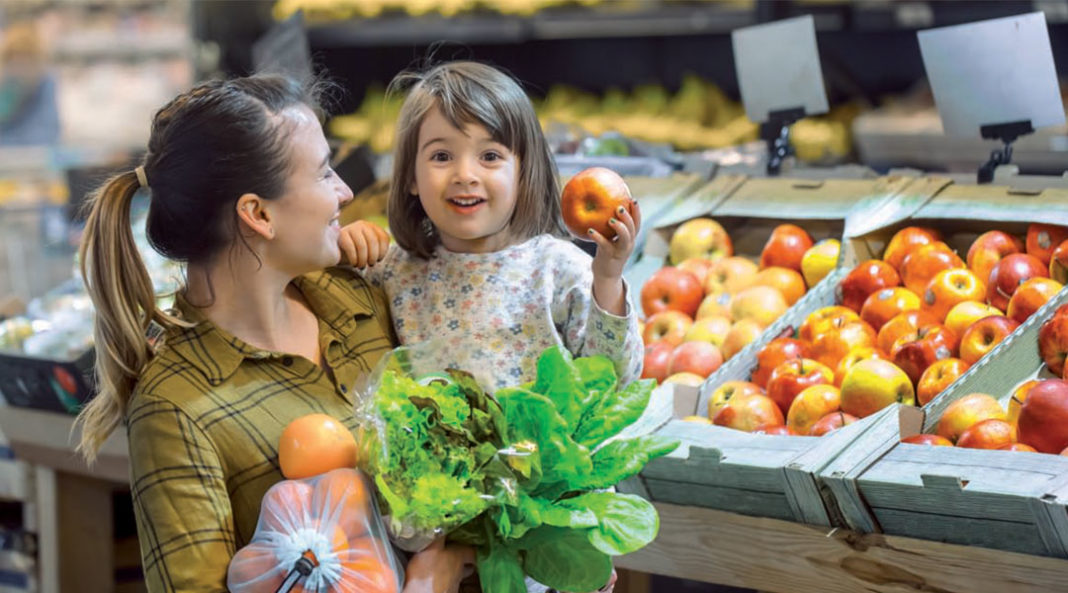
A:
(320, 11)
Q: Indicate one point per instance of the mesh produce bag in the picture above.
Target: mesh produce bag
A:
(317, 535)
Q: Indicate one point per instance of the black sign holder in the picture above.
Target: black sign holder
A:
(1008, 133)
(776, 132)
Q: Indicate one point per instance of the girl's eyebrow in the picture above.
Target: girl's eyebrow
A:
(431, 141)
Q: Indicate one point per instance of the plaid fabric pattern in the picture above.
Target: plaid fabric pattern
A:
(206, 417)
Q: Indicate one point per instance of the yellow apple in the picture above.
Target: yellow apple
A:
(691, 379)
(701, 238)
(728, 391)
(814, 402)
(709, 329)
(872, 384)
(740, 335)
(762, 304)
(697, 420)
(962, 315)
(819, 260)
(715, 305)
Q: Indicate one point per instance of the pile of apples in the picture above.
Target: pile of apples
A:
(907, 326)
(710, 303)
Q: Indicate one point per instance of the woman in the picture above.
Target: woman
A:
(243, 193)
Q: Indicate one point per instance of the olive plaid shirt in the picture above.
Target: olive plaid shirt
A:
(206, 417)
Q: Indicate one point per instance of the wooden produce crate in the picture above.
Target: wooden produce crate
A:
(1003, 500)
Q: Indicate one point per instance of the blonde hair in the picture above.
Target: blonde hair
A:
(125, 304)
(472, 93)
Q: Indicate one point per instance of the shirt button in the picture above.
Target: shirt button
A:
(287, 360)
(344, 389)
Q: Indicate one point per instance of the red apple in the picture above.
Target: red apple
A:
(1017, 447)
(983, 335)
(923, 264)
(1058, 263)
(988, 249)
(824, 319)
(792, 377)
(906, 241)
(740, 335)
(1042, 239)
(1030, 296)
(701, 238)
(864, 280)
(810, 405)
(728, 391)
(905, 323)
(749, 412)
(1053, 343)
(1019, 396)
(1008, 274)
(964, 314)
(668, 326)
(927, 439)
(699, 358)
(949, 288)
(832, 421)
(937, 377)
(853, 357)
(697, 266)
(967, 411)
(592, 198)
(914, 352)
(991, 433)
(655, 362)
(831, 346)
(786, 281)
(1043, 422)
(884, 305)
(785, 247)
(671, 289)
(774, 354)
(775, 429)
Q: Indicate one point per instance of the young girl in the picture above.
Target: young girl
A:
(483, 266)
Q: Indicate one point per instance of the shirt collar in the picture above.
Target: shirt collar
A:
(218, 353)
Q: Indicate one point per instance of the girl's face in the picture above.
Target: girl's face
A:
(467, 184)
(305, 218)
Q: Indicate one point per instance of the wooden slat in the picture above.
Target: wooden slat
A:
(780, 556)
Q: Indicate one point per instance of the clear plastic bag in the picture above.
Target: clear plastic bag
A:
(317, 535)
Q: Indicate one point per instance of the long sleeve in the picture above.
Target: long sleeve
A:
(183, 511)
(589, 330)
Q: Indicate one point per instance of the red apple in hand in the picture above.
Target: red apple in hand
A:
(699, 358)
(983, 335)
(1008, 274)
(655, 362)
(988, 249)
(1042, 239)
(1053, 343)
(592, 198)
(774, 354)
(1030, 297)
(792, 377)
(785, 247)
(866, 279)
(1043, 421)
(671, 289)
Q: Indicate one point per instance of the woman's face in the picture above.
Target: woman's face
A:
(305, 218)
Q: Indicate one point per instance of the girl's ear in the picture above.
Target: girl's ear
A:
(253, 213)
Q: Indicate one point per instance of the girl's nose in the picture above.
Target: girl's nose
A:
(464, 173)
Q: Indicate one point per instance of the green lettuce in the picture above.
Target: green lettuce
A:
(521, 474)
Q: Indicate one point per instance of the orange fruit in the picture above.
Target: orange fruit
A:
(366, 568)
(284, 505)
(341, 495)
(315, 444)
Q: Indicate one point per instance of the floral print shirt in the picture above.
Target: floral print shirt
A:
(492, 314)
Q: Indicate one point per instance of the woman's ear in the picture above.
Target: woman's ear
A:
(251, 211)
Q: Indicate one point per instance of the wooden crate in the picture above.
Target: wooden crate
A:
(1004, 500)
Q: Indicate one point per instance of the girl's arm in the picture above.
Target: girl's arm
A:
(363, 244)
(611, 255)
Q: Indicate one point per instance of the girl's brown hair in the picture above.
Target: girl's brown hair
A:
(207, 147)
(472, 93)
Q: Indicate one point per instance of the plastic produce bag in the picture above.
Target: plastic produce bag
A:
(317, 535)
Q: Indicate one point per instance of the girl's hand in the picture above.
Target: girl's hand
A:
(363, 243)
(611, 255)
(439, 568)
